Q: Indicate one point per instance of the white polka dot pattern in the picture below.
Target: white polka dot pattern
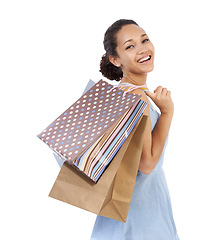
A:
(87, 119)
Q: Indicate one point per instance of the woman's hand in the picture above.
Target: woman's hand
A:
(162, 98)
(154, 141)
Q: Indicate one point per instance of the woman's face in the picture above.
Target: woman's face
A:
(135, 51)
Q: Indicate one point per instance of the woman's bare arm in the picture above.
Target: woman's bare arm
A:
(154, 141)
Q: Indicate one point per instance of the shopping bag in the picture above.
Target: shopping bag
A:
(58, 159)
(111, 195)
(100, 120)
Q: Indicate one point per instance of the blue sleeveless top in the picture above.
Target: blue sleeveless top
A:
(150, 214)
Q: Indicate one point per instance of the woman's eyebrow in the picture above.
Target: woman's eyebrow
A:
(144, 34)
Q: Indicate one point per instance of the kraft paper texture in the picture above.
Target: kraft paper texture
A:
(111, 195)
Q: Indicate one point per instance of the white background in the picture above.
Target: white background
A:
(48, 52)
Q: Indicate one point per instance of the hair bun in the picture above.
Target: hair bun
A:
(109, 70)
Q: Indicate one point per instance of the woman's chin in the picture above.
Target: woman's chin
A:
(148, 69)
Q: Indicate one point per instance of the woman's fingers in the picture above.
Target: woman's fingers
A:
(162, 98)
(164, 91)
(150, 94)
(158, 93)
(158, 90)
(168, 93)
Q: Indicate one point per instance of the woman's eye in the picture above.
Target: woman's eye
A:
(129, 47)
(145, 40)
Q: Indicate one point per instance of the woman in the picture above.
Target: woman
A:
(129, 57)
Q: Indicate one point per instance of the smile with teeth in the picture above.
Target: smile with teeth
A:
(142, 60)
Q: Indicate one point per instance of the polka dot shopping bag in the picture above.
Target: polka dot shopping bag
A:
(77, 132)
(96, 137)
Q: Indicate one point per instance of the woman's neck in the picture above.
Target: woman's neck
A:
(134, 79)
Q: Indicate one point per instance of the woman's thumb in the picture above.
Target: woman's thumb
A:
(150, 94)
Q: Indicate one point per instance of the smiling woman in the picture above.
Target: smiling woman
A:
(129, 58)
(136, 55)
(124, 48)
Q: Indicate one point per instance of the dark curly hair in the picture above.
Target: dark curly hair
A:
(108, 69)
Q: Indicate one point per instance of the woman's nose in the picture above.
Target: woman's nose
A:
(142, 50)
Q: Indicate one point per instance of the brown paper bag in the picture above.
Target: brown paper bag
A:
(111, 195)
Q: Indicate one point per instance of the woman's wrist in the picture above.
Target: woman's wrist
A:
(167, 113)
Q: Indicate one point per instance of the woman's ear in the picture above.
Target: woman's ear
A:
(114, 61)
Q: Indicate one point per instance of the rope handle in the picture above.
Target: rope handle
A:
(128, 87)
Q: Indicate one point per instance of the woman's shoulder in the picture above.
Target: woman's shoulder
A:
(135, 89)
(141, 93)
(140, 90)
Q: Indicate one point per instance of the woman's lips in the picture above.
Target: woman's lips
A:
(145, 60)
